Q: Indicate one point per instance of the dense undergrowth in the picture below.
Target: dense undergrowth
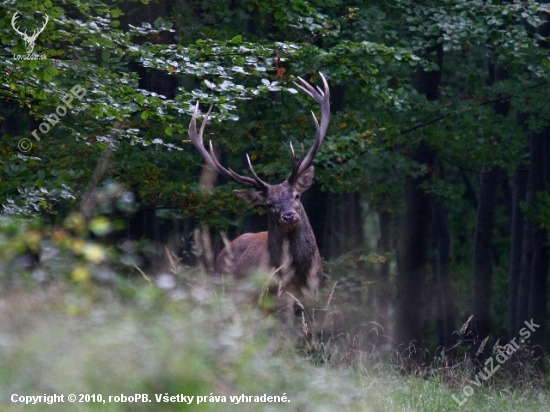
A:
(201, 339)
(78, 321)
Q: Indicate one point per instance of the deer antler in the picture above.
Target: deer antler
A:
(24, 34)
(323, 98)
(13, 20)
(211, 159)
(38, 31)
(300, 163)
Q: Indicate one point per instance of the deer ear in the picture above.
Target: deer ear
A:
(304, 181)
(253, 198)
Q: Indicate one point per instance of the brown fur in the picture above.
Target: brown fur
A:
(289, 244)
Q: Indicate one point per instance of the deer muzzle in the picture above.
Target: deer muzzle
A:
(288, 218)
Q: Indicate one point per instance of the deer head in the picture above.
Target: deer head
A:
(29, 40)
(283, 199)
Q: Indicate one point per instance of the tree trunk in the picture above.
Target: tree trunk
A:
(483, 267)
(316, 205)
(383, 296)
(539, 264)
(412, 249)
(522, 308)
(345, 230)
(412, 255)
(485, 225)
(520, 188)
(445, 304)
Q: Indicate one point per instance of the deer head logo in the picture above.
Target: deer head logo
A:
(29, 40)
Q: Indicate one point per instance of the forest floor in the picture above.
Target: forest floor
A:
(136, 346)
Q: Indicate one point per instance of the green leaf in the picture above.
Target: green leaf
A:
(159, 22)
(144, 115)
(51, 70)
(237, 39)
(168, 131)
(42, 74)
(105, 54)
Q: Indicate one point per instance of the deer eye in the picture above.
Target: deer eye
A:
(297, 196)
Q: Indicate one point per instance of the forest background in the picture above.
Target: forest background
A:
(431, 205)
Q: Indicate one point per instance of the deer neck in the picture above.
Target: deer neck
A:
(292, 248)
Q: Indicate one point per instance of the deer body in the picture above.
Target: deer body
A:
(288, 248)
(243, 255)
(288, 244)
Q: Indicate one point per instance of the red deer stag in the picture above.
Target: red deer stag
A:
(288, 247)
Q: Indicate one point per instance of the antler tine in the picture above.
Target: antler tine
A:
(263, 184)
(229, 173)
(296, 162)
(13, 21)
(203, 124)
(210, 157)
(294, 154)
(38, 31)
(307, 90)
(314, 92)
(323, 98)
(196, 138)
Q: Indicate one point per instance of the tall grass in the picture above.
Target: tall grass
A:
(195, 340)
(185, 334)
